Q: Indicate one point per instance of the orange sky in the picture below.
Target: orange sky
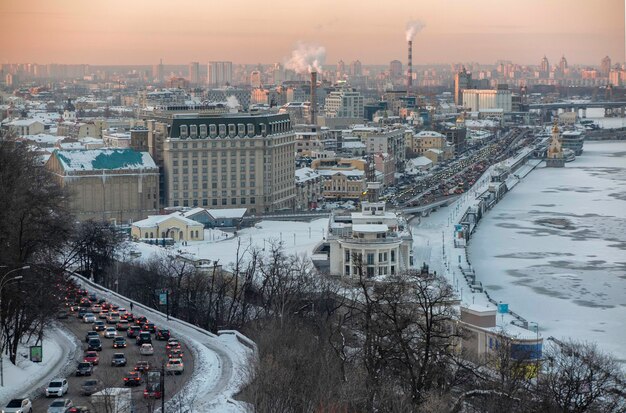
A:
(247, 31)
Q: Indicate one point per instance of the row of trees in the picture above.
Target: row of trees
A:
(325, 346)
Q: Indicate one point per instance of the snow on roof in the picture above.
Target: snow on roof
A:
(23, 122)
(372, 228)
(437, 151)
(43, 138)
(228, 212)
(354, 145)
(306, 174)
(154, 220)
(420, 161)
(193, 212)
(350, 172)
(429, 134)
(101, 159)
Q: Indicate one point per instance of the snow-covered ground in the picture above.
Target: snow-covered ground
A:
(555, 248)
(297, 238)
(25, 379)
(222, 362)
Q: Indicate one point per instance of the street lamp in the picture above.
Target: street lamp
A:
(536, 349)
(2, 284)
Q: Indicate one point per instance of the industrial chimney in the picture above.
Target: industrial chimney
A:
(409, 80)
(313, 109)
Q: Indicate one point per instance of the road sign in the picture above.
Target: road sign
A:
(36, 354)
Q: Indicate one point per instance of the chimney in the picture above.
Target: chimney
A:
(409, 80)
(313, 109)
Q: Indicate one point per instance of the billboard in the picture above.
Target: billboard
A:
(36, 354)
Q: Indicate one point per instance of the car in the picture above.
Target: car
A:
(148, 327)
(63, 315)
(89, 387)
(98, 326)
(152, 391)
(122, 311)
(143, 338)
(92, 297)
(81, 312)
(162, 334)
(119, 342)
(84, 368)
(18, 406)
(110, 332)
(79, 409)
(172, 343)
(90, 335)
(133, 331)
(128, 317)
(103, 314)
(113, 318)
(92, 357)
(122, 325)
(57, 387)
(146, 349)
(60, 406)
(132, 378)
(141, 320)
(118, 360)
(142, 366)
(94, 344)
(175, 353)
(174, 366)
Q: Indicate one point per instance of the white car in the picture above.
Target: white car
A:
(174, 366)
(18, 406)
(57, 387)
(110, 332)
(146, 349)
(60, 406)
(89, 318)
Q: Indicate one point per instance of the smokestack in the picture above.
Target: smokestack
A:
(409, 80)
(313, 109)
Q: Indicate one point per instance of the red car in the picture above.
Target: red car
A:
(133, 378)
(149, 327)
(140, 320)
(92, 357)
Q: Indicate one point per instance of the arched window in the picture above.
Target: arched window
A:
(146, 235)
(181, 235)
(151, 234)
(197, 234)
(162, 234)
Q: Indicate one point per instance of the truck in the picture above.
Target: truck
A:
(113, 400)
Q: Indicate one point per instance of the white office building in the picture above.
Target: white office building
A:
(480, 99)
(344, 103)
(219, 74)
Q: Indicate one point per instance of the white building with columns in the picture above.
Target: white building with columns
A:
(374, 241)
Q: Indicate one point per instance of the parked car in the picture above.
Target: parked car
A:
(110, 332)
(57, 387)
(119, 342)
(174, 366)
(143, 338)
(146, 350)
(142, 366)
(133, 378)
(162, 334)
(122, 325)
(92, 357)
(89, 387)
(133, 331)
(90, 335)
(94, 344)
(98, 326)
(60, 406)
(84, 368)
(18, 406)
(118, 360)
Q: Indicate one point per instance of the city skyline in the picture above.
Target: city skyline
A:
(141, 32)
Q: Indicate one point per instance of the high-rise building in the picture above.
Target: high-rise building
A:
(158, 72)
(545, 67)
(224, 160)
(194, 73)
(605, 66)
(462, 81)
(255, 79)
(480, 99)
(219, 74)
(563, 65)
(341, 69)
(344, 103)
(395, 69)
(356, 68)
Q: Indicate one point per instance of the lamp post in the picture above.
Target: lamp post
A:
(536, 348)
(2, 284)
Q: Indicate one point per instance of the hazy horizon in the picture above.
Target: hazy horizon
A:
(142, 32)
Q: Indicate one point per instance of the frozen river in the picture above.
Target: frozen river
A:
(555, 248)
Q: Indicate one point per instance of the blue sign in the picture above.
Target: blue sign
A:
(503, 308)
(458, 227)
(163, 298)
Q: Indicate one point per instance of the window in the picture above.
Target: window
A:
(214, 202)
(243, 201)
(183, 131)
(231, 130)
(347, 270)
(250, 130)
(222, 128)
(203, 131)
(233, 201)
(347, 259)
(370, 258)
(393, 256)
(224, 202)
(193, 131)
(241, 130)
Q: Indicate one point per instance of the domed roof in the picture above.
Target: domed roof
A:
(69, 106)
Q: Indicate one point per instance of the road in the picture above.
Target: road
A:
(113, 376)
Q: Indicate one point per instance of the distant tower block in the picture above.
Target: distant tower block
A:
(554, 158)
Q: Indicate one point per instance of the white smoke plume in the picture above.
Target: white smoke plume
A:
(413, 28)
(232, 103)
(307, 58)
